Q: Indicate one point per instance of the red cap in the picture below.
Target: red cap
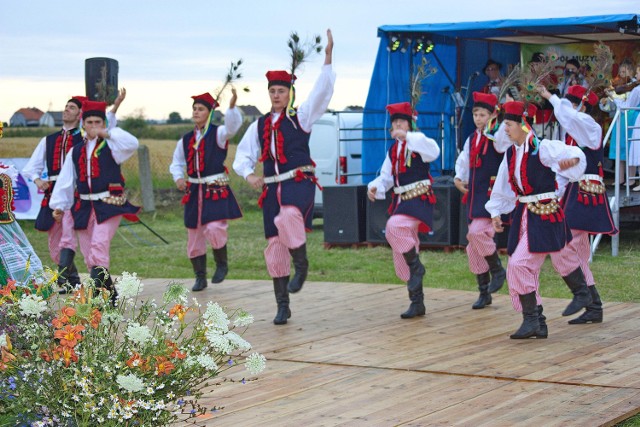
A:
(514, 111)
(576, 94)
(485, 100)
(402, 110)
(280, 78)
(94, 108)
(205, 99)
(78, 100)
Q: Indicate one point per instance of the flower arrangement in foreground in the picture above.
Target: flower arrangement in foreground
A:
(78, 360)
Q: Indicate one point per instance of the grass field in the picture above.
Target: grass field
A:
(135, 249)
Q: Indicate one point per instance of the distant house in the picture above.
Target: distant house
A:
(218, 117)
(51, 119)
(250, 113)
(26, 117)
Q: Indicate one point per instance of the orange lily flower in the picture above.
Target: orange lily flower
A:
(163, 366)
(10, 286)
(45, 356)
(96, 317)
(70, 335)
(178, 310)
(65, 353)
(135, 361)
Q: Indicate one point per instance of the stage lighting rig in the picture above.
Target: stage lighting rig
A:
(394, 43)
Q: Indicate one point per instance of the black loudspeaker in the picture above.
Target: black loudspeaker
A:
(377, 216)
(446, 215)
(101, 79)
(463, 228)
(344, 213)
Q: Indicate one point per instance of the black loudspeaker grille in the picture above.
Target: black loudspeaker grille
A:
(446, 216)
(377, 216)
(344, 214)
(101, 79)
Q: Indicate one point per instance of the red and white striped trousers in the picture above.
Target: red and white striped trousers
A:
(214, 232)
(61, 236)
(579, 247)
(95, 240)
(481, 244)
(402, 234)
(291, 235)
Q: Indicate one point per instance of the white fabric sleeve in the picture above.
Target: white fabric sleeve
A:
(178, 162)
(502, 141)
(318, 101)
(112, 121)
(462, 162)
(384, 182)
(62, 195)
(37, 162)
(503, 199)
(552, 152)
(582, 127)
(232, 123)
(248, 152)
(123, 145)
(418, 142)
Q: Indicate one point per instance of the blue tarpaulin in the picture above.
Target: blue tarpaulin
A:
(460, 51)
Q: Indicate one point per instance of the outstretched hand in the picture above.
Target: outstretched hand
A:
(328, 51)
(234, 98)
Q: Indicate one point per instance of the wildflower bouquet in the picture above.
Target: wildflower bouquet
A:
(78, 360)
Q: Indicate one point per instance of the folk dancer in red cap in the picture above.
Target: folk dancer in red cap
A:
(208, 200)
(526, 182)
(50, 153)
(406, 170)
(90, 184)
(280, 140)
(476, 170)
(585, 202)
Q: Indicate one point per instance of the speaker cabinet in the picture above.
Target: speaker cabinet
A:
(344, 213)
(463, 228)
(101, 79)
(446, 215)
(377, 216)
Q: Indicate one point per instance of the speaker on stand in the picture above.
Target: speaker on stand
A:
(344, 213)
(101, 79)
(446, 214)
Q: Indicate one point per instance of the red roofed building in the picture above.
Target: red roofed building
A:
(26, 117)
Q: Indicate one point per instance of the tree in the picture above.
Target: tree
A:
(174, 118)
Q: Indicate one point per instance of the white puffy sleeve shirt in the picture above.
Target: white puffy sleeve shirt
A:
(122, 144)
(250, 147)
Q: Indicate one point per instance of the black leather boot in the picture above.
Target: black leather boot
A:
(593, 313)
(581, 295)
(200, 269)
(64, 271)
(282, 299)
(498, 273)
(417, 307)
(530, 327)
(301, 264)
(222, 266)
(544, 331)
(102, 279)
(483, 286)
(416, 270)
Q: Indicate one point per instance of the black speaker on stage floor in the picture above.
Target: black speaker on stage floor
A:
(344, 213)
(446, 215)
(377, 216)
(463, 228)
(101, 79)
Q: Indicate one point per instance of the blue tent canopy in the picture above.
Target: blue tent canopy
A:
(459, 54)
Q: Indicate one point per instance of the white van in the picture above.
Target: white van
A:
(336, 148)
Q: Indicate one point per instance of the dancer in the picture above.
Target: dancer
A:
(526, 182)
(280, 140)
(406, 170)
(476, 170)
(208, 200)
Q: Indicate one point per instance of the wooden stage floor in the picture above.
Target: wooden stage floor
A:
(347, 358)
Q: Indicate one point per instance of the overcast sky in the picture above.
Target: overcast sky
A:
(170, 50)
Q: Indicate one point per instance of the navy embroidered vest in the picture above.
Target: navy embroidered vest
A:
(214, 156)
(53, 166)
(482, 176)
(296, 146)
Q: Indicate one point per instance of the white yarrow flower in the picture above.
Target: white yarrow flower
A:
(207, 362)
(3, 340)
(129, 286)
(215, 317)
(243, 319)
(255, 363)
(218, 341)
(237, 341)
(130, 383)
(32, 305)
(138, 334)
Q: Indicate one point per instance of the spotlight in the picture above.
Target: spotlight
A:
(406, 44)
(394, 43)
(428, 47)
(419, 46)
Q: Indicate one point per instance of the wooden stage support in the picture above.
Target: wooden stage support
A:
(347, 358)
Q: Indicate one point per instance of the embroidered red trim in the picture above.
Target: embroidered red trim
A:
(266, 139)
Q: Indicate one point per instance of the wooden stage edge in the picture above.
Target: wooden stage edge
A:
(347, 359)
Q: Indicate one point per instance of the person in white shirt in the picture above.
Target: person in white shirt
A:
(91, 186)
(280, 140)
(208, 200)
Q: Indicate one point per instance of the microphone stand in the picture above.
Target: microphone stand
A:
(456, 100)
